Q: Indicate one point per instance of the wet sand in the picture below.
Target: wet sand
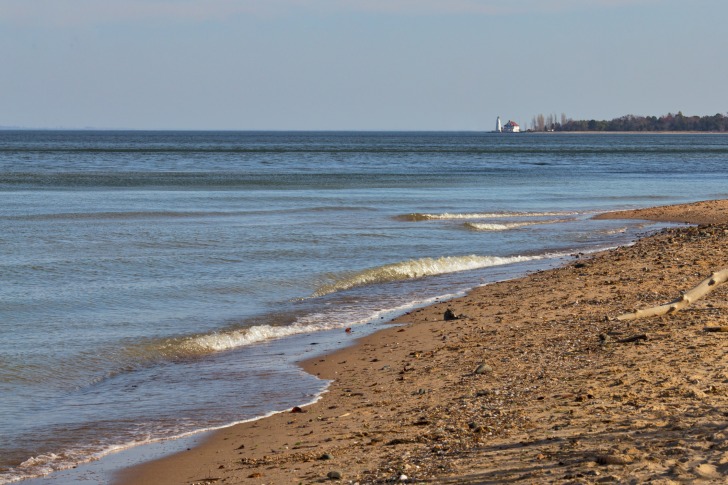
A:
(534, 382)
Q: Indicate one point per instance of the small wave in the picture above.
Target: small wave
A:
(486, 226)
(478, 226)
(200, 345)
(416, 217)
(418, 268)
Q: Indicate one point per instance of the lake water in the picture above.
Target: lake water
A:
(154, 284)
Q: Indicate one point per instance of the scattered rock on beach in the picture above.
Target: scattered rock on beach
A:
(449, 315)
(483, 369)
(334, 475)
(612, 460)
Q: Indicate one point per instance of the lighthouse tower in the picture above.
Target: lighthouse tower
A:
(498, 127)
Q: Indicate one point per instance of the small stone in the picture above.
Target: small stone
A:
(326, 456)
(483, 369)
(449, 315)
(403, 478)
(334, 475)
(612, 460)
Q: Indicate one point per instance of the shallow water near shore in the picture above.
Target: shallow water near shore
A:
(157, 284)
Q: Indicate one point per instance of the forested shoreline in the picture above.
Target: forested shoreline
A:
(668, 122)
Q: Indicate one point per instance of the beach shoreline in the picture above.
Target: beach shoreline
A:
(534, 381)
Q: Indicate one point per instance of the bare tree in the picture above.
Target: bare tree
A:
(540, 123)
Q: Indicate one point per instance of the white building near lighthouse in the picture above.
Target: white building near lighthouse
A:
(511, 127)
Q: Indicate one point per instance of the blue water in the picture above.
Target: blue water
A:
(150, 279)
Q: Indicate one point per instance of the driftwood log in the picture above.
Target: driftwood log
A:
(686, 299)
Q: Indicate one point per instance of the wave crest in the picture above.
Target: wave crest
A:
(484, 226)
(204, 344)
(416, 216)
(417, 268)
(489, 226)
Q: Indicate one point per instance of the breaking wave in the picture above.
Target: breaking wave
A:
(418, 268)
(489, 226)
(201, 345)
(484, 226)
(416, 217)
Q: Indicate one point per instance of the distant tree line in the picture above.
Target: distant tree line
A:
(668, 122)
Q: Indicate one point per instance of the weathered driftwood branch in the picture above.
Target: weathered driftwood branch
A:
(687, 298)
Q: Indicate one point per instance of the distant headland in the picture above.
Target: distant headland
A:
(717, 123)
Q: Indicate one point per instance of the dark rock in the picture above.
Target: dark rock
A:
(449, 315)
(326, 456)
(611, 460)
(334, 475)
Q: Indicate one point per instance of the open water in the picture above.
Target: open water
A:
(154, 284)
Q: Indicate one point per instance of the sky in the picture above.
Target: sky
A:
(355, 64)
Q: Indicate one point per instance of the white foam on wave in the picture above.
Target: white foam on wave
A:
(204, 344)
(418, 268)
(485, 226)
(232, 339)
(478, 215)
(490, 226)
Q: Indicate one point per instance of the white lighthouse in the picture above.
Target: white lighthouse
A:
(498, 127)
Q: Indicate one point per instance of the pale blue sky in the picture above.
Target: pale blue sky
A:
(355, 64)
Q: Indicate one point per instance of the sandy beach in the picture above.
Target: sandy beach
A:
(534, 381)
